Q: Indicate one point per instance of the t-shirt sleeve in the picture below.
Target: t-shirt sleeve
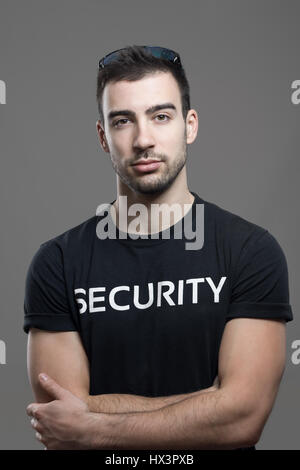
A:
(260, 282)
(46, 304)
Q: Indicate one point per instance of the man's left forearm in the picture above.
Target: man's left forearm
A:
(213, 420)
(125, 403)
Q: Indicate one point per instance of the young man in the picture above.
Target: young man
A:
(148, 344)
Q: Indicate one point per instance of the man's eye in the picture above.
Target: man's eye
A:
(164, 116)
(119, 121)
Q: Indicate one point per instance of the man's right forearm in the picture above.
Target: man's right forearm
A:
(126, 403)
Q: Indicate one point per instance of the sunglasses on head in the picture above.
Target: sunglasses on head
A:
(156, 51)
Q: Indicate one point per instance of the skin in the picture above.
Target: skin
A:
(162, 135)
(229, 414)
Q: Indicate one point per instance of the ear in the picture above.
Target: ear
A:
(191, 126)
(101, 135)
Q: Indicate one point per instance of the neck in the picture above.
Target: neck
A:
(172, 204)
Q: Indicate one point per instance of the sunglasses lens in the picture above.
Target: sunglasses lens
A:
(110, 58)
(159, 52)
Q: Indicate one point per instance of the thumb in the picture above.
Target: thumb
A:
(52, 387)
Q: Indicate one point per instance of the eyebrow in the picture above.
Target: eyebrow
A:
(152, 109)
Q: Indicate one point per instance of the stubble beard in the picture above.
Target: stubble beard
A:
(157, 181)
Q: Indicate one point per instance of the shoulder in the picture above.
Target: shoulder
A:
(238, 236)
(222, 223)
(231, 221)
(71, 243)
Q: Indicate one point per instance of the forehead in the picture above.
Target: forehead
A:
(155, 88)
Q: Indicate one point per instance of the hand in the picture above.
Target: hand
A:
(59, 423)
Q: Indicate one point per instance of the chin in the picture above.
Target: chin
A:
(151, 188)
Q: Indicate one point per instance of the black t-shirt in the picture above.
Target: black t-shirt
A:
(150, 312)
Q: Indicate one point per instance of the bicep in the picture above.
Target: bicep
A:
(61, 356)
(251, 363)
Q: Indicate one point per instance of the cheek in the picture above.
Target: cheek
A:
(120, 144)
(171, 139)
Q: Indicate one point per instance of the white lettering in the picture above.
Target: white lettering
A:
(2, 352)
(194, 283)
(166, 294)
(136, 292)
(116, 460)
(2, 92)
(296, 354)
(112, 298)
(93, 299)
(295, 97)
(81, 301)
(163, 291)
(216, 290)
(180, 292)
(199, 233)
(161, 216)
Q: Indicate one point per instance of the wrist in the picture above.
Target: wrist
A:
(96, 431)
(89, 402)
(86, 431)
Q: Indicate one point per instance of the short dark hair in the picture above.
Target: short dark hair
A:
(133, 63)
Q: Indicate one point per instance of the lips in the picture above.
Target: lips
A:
(146, 165)
(146, 162)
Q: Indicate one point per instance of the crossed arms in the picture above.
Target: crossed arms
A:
(228, 415)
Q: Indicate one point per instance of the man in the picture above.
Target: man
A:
(147, 344)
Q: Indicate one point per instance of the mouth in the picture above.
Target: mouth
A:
(145, 166)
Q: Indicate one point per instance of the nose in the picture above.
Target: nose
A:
(143, 137)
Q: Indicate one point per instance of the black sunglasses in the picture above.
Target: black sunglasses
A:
(156, 51)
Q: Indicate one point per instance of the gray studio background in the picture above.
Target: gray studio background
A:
(241, 58)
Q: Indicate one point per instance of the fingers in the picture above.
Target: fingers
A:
(36, 425)
(38, 436)
(52, 387)
(39, 430)
(41, 433)
(32, 409)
